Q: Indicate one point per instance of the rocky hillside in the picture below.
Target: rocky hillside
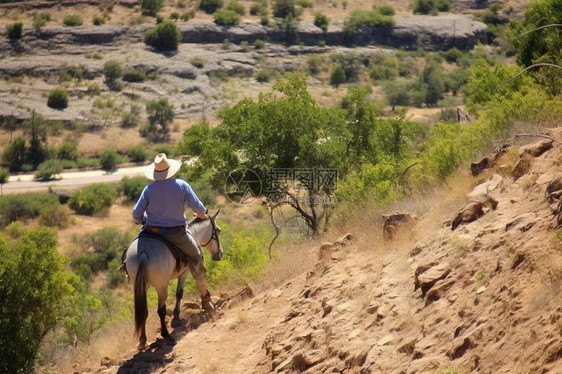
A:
(480, 298)
(27, 64)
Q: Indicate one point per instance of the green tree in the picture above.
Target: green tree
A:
(33, 284)
(15, 154)
(284, 8)
(112, 70)
(14, 30)
(151, 7)
(539, 40)
(433, 80)
(284, 131)
(164, 37)
(160, 112)
(58, 98)
(397, 93)
(92, 199)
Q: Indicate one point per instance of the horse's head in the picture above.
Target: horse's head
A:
(207, 232)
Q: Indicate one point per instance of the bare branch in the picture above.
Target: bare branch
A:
(527, 134)
(527, 68)
(535, 29)
(535, 135)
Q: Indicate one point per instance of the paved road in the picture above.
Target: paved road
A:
(71, 180)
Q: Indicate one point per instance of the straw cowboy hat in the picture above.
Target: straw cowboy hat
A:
(162, 168)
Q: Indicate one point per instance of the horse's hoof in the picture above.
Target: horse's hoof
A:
(142, 346)
(176, 322)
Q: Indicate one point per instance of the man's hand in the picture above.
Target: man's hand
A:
(200, 216)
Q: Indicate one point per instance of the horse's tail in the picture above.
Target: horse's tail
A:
(141, 308)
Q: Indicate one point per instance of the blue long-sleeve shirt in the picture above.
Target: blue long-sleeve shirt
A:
(162, 203)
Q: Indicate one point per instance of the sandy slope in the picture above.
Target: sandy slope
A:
(493, 305)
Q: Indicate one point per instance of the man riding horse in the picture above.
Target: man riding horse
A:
(161, 208)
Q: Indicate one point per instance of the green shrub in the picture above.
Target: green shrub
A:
(164, 37)
(67, 150)
(259, 44)
(21, 207)
(15, 229)
(337, 76)
(48, 169)
(259, 8)
(314, 64)
(197, 62)
(210, 6)
(443, 5)
(98, 20)
(264, 75)
(132, 188)
(33, 285)
(41, 19)
(87, 162)
(321, 20)
(151, 7)
(109, 160)
(137, 153)
(226, 17)
(367, 18)
(14, 30)
(244, 261)
(103, 246)
(134, 75)
(386, 10)
(159, 19)
(132, 118)
(55, 215)
(72, 20)
(92, 199)
(58, 98)
(174, 16)
(186, 16)
(236, 7)
(112, 70)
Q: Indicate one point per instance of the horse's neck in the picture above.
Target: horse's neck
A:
(199, 229)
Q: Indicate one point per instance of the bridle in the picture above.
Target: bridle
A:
(214, 233)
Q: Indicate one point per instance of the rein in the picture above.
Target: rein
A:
(214, 234)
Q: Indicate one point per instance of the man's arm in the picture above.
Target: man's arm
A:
(140, 208)
(194, 203)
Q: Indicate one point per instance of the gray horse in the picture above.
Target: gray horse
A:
(149, 262)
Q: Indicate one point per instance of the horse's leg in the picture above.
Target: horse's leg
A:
(162, 296)
(179, 296)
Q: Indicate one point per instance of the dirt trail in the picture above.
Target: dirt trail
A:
(483, 298)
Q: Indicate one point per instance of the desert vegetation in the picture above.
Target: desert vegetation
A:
(359, 126)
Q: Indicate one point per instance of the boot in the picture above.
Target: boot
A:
(207, 303)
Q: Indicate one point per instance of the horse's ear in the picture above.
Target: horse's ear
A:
(217, 213)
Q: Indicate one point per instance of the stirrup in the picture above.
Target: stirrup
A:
(207, 302)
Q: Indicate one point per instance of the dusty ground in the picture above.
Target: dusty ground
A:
(491, 295)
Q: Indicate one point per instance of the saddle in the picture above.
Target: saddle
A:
(176, 252)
